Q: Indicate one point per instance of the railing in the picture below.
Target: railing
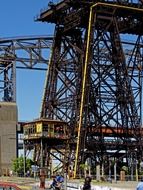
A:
(32, 37)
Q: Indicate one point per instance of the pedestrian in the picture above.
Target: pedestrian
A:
(60, 178)
(140, 185)
(42, 181)
(28, 173)
(54, 183)
(42, 176)
(11, 173)
(57, 182)
(87, 183)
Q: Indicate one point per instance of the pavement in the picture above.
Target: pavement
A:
(26, 183)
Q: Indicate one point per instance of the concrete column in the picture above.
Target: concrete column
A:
(98, 172)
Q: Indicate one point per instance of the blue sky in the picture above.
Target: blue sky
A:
(17, 19)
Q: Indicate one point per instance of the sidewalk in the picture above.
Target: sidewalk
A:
(119, 185)
(26, 183)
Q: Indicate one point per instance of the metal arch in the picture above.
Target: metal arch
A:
(24, 52)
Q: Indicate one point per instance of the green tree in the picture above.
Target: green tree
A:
(84, 168)
(18, 165)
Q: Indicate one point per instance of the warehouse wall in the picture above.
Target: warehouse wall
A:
(8, 122)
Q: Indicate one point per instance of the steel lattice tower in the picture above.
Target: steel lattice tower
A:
(95, 78)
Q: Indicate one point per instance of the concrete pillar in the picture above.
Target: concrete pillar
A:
(98, 172)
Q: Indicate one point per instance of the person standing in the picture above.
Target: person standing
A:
(87, 183)
(140, 185)
(42, 177)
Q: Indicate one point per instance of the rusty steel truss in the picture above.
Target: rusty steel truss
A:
(95, 80)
